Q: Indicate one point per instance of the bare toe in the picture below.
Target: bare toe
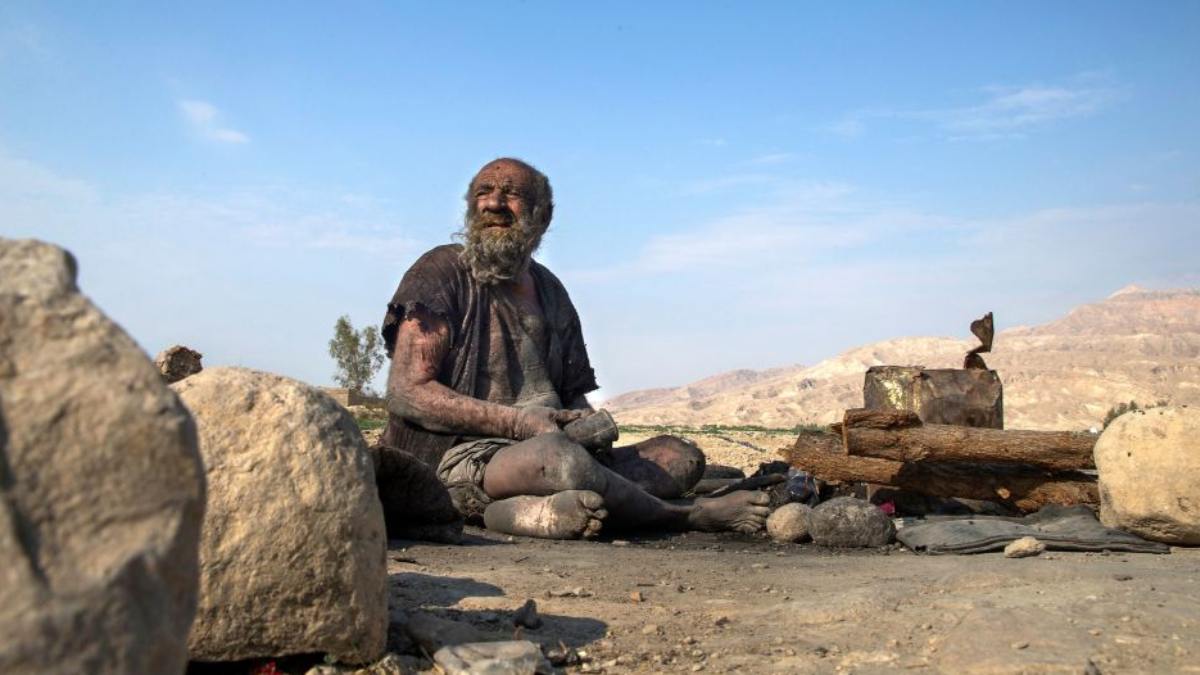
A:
(590, 500)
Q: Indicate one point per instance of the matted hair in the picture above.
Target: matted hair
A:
(503, 259)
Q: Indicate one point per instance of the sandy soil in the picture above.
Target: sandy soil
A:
(717, 603)
(721, 603)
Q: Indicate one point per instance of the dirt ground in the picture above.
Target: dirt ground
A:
(737, 603)
(720, 603)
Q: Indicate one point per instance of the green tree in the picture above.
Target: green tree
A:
(358, 354)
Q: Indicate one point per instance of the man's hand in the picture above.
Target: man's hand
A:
(536, 420)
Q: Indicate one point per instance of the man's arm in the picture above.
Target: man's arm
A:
(422, 341)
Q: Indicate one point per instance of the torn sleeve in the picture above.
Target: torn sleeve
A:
(434, 284)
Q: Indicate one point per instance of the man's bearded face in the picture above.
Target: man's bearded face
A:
(503, 225)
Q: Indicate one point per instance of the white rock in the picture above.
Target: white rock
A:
(1025, 547)
(101, 486)
(293, 551)
(1149, 466)
(789, 523)
(515, 657)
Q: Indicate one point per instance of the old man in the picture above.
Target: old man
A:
(488, 366)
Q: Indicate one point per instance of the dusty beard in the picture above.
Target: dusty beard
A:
(496, 254)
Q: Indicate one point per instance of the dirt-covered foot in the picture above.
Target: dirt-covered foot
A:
(570, 514)
(742, 511)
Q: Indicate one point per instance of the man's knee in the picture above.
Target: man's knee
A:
(566, 465)
(682, 460)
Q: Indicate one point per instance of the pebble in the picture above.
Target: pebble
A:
(1020, 645)
(636, 596)
(527, 616)
(1024, 547)
(650, 629)
(720, 620)
(1123, 577)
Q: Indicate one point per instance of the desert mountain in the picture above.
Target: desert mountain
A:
(1135, 345)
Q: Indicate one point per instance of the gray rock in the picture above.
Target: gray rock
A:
(101, 486)
(1149, 466)
(293, 557)
(850, 522)
(527, 616)
(513, 657)
(1025, 547)
(789, 523)
(178, 362)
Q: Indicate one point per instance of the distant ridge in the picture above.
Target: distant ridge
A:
(1137, 344)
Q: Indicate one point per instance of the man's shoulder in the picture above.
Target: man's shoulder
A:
(551, 282)
(446, 257)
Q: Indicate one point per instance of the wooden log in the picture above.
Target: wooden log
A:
(1024, 488)
(886, 434)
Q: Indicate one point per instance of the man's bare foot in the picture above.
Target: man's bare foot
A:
(742, 511)
(570, 514)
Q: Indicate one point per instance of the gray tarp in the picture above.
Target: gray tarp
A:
(1062, 528)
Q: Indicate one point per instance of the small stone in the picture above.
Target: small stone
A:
(720, 620)
(698, 667)
(689, 640)
(527, 616)
(789, 523)
(636, 596)
(1020, 644)
(178, 362)
(619, 542)
(650, 629)
(1122, 577)
(1025, 547)
(1095, 631)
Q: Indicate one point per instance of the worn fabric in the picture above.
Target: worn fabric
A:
(498, 352)
(1061, 528)
(462, 469)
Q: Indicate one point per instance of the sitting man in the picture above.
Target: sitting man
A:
(488, 365)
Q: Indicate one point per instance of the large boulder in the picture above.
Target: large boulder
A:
(1149, 466)
(293, 555)
(101, 486)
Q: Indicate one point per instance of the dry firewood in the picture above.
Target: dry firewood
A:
(1025, 488)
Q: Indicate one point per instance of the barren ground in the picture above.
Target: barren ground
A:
(719, 603)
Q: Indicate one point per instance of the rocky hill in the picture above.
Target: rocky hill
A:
(1135, 345)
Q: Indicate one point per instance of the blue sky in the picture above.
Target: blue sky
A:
(738, 184)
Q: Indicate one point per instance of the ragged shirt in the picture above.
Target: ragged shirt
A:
(499, 352)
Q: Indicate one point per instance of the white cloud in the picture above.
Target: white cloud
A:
(1003, 112)
(773, 158)
(204, 117)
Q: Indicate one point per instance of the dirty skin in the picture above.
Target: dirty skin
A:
(546, 485)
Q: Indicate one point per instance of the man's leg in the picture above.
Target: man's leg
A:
(665, 466)
(551, 464)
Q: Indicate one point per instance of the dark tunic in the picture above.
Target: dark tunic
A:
(498, 353)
